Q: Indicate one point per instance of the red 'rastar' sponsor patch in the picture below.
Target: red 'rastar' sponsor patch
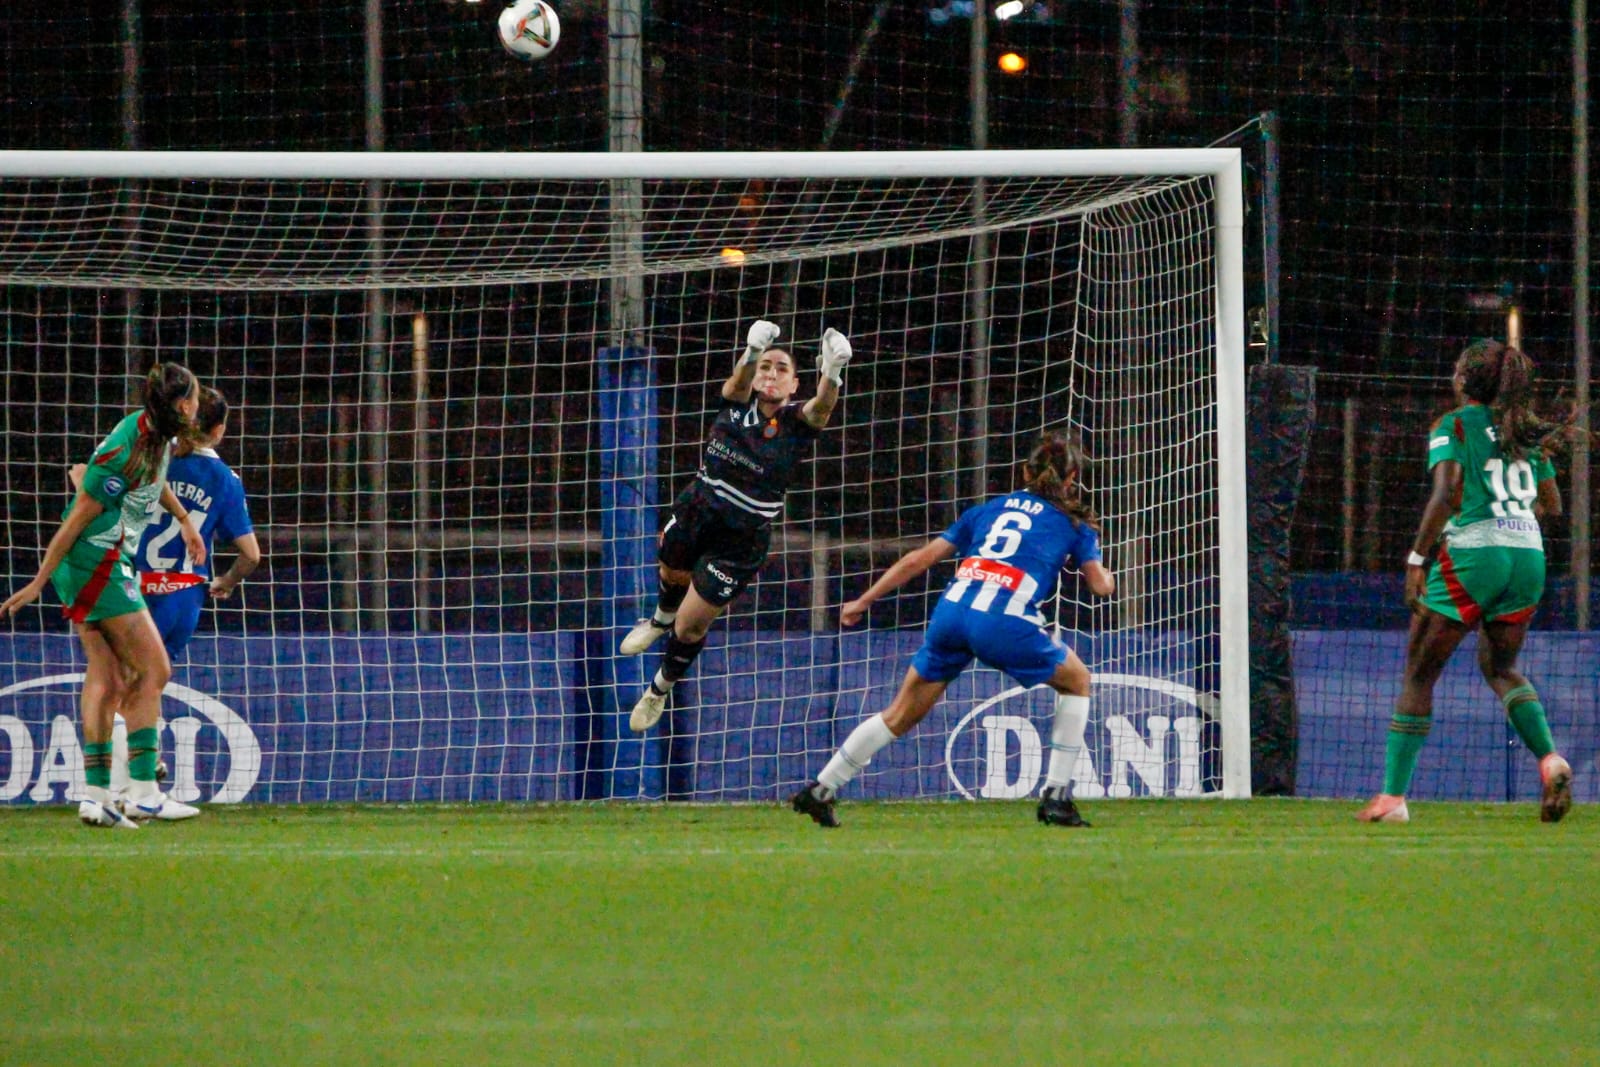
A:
(156, 583)
(978, 569)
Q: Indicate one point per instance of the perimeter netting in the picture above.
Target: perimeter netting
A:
(456, 458)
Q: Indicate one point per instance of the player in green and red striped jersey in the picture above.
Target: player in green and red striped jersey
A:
(1492, 484)
(90, 563)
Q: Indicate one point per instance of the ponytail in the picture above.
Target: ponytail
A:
(1053, 471)
(161, 421)
(1501, 378)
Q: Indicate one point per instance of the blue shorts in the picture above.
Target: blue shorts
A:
(957, 634)
(176, 615)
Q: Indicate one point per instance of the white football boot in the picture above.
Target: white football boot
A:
(94, 813)
(648, 711)
(157, 806)
(642, 636)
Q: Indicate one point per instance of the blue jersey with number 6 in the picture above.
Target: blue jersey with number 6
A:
(1011, 550)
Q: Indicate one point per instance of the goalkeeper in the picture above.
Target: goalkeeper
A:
(721, 525)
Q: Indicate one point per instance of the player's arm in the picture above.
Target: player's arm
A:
(1442, 501)
(831, 362)
(85, 509)
(1547, 505)
(191, 537)
(248, 560)
(1101, 581)
(739, 384)
(907, 567)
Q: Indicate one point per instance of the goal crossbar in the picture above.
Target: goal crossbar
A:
(506, 166)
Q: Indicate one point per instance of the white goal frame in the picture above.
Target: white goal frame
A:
(1221, 165)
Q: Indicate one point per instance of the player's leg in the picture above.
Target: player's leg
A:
(911, 704)
(101, 694)
(138, 645)
(177, 627)
(1033, 656)
(1509, 615)
(176, 616)
(1071, 681)
(1497, 658)
(685, 641)
(1432, 640)
(672, 587)
(946, 651)
(719, 575)
(675, 548)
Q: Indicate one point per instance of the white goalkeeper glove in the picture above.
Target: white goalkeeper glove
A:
(835, 356)
(758, 340)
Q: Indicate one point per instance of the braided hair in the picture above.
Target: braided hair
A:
(1052, 471)
(1501, 378)
(164, 386)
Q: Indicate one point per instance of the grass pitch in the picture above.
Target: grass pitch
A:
(1270, 932)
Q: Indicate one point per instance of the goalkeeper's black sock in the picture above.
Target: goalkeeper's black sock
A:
(680, 654)
(669, 599)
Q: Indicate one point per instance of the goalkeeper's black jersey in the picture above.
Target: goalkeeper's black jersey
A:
(751, 460)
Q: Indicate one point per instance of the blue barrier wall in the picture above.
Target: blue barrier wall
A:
(519, 717)
(1345, 686)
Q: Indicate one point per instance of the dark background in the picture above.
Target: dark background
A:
(1425, 156)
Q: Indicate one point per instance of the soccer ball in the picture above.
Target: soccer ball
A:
(529, 29)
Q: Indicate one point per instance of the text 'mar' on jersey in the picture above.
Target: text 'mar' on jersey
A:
(1011, 550)
(751, 460)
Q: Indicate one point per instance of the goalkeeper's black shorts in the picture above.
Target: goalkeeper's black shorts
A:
(723, 556)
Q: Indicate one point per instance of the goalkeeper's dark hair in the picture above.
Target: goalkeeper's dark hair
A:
(1501, 378)
(164, 386)
(1054, 471)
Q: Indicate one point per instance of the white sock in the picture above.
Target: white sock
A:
(661, 684)
(1066, 739)
(97, 793)
(663, 619)
(138, 790)
(856, 752)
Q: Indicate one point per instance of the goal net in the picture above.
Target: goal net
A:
(466, 386)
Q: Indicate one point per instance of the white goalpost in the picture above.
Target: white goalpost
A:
(457, 456)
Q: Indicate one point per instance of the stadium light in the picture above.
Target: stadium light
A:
(1007, 10)
(1012, 63)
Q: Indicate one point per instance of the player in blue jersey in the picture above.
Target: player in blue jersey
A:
(1012, 548)
(721, 524)
(173, 586)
